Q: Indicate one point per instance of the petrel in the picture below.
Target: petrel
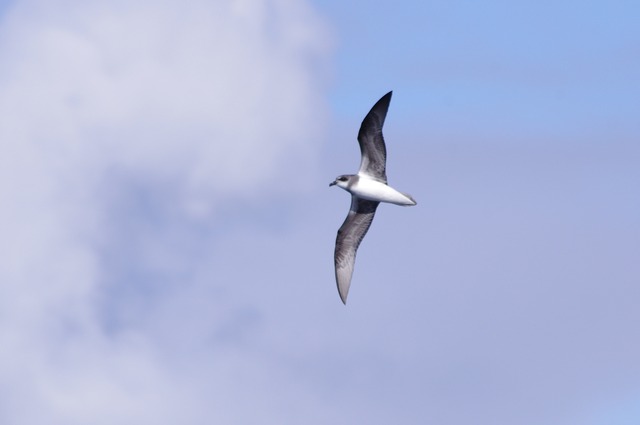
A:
(368, 188)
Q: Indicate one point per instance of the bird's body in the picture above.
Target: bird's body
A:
(368, 188)
(364, 187)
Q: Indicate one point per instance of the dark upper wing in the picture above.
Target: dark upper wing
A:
(372, 148)
(350, 235)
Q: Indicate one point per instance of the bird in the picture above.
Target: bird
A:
(367, 188)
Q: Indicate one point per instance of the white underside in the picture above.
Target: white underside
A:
(373, 190)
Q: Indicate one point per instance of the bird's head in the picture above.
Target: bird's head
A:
(341, 181)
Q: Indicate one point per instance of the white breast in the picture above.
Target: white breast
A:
(373, 190)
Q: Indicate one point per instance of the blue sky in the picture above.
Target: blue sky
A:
(550, 65)
(168, 228)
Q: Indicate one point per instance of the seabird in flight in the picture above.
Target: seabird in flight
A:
(368, 188)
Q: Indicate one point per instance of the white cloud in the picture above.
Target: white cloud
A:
(197, 91)
(125, 127)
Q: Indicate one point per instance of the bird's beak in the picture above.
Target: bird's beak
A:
(332, 183)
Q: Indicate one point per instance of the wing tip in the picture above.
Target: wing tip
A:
(343, 291)
(374, 120)
(384, 100)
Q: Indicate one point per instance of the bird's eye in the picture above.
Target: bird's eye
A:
(342, 178)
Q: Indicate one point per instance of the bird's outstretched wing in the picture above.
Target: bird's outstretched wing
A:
(372, 148)
(350, 235)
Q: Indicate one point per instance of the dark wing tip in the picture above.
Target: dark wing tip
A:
(382, 105)
(376, 116)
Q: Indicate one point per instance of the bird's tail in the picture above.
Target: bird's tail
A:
(411, 198)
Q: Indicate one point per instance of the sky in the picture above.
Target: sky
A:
(168, 229)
